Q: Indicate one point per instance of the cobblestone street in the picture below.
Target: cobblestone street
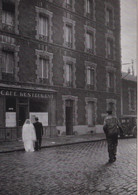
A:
(79, 169)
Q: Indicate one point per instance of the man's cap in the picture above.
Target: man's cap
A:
(36, 118)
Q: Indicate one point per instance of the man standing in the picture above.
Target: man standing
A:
(39, 133)
(111, 128)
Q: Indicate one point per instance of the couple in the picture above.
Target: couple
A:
(32, 133)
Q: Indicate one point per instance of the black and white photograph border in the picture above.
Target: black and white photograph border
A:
(68, 97)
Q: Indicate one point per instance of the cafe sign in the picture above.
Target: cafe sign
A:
(13, 93)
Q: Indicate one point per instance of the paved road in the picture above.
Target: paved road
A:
(79, 169)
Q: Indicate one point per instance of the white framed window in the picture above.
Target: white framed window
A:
(109, 15)
(91, 113)
(8, 18)
(69, 71)
(8, 14)
(110, 48)
(90, 76)
(89, 41)
(88, 6)
(68, 3)
(43, 25)
(7, 62)
(110, 80)
(69, 74)
(68, 35)
(43, 68)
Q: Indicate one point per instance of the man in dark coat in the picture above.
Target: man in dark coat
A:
(39, 133)
(111, 128)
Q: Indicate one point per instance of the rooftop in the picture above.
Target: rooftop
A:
(129, 77)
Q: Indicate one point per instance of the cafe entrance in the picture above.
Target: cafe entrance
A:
(17, 106)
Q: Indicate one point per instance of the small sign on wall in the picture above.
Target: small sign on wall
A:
(10, 119)
(43, 117)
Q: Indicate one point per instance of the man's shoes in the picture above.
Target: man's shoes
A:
(112, 160)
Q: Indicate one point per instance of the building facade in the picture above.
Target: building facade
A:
(129, 95)
(60, 61)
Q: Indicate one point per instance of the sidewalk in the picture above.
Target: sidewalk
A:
(12, 146)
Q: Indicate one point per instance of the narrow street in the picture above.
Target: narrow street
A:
(79, 169)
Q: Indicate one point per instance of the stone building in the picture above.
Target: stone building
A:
(129, 95)
(60, 61)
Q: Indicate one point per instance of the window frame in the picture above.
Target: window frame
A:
(91, 32)
(46, 21)
(49, 15)
(132, 108)
(110, 39)
(69, 82)
(48, 56)
(94, 101)
(42, 64)
(70, 35)
(89, 9)
(90, 66)
(71, 23)
(109, 19)
(14, 27)
(72, 61)
(111, 70)
(70, 6)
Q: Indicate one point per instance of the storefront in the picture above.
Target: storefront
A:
(17, 105)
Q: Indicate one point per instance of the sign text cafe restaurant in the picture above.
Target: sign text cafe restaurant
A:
(19, 104)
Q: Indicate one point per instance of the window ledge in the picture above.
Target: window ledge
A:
(43, 38)
(7, 27)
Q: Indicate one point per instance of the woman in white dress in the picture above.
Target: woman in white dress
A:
(28, 136)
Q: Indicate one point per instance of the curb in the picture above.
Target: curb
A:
(55, 145)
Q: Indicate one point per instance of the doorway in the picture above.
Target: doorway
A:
(23, 115)
(69, 117)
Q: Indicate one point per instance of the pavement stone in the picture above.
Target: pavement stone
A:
(77, 169)
(11, 146)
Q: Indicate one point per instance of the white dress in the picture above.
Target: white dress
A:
(28, 137)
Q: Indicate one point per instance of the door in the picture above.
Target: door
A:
(23, 115)
(69, 118)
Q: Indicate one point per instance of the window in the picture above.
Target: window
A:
(132, 99)
(43, 68)
(88, 5)
(90, 76)
(91, 114)
(8, 62)
(68, 35)
(8, 13)
(68, 3)
(43, 25)
(69, 75)
(110, 80)
(109, 15)
(110, 48)
(89, 41)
